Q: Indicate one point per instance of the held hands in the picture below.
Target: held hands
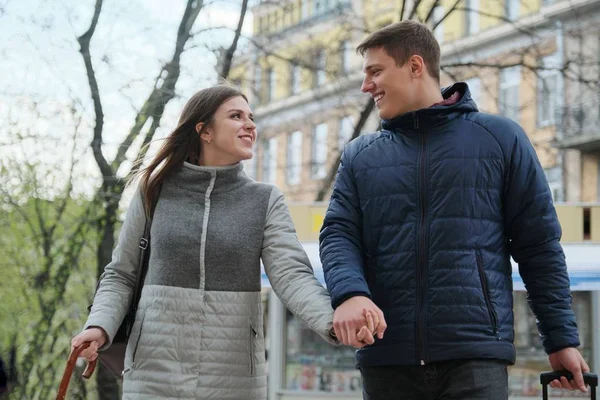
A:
(571, 360)
(357, 320)
(96, 336)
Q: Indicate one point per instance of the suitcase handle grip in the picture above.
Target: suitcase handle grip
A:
(588, 378)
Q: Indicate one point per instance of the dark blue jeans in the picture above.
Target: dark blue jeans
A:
(451, 380)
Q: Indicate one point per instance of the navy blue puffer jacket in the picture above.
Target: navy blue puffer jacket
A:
(423, 219)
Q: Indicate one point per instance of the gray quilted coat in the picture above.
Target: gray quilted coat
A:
(198, 332)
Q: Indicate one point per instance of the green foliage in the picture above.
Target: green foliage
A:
(47, 279)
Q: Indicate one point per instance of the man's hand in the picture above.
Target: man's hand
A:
(568, 359)
(352, 316)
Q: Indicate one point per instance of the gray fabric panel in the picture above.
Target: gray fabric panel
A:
(235, 234)
(175, 238)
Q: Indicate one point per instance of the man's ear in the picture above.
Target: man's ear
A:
(417, 66)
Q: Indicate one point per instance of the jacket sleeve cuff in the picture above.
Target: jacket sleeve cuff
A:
(104, 324)
(559, 341)
(337, 301)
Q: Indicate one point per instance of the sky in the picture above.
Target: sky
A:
(43, 75)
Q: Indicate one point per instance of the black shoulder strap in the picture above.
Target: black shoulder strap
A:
(142, 269)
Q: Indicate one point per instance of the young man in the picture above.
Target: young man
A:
(424, 217)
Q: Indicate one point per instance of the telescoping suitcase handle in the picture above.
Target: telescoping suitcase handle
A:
(588, 378)
(64, 383)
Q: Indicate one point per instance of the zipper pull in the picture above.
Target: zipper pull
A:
(416, 120)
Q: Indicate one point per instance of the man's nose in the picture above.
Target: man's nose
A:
(367, 86)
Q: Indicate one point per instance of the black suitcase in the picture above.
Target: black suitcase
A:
(546, 377)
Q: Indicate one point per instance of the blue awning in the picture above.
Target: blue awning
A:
(583, 263)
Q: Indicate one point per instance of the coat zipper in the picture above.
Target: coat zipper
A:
(486, 295)
(422, 259)
(253, 336)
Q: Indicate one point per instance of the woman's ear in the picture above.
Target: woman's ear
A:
(204, 133)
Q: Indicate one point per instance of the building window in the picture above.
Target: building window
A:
(318, 7)
(258, 81)
(508, 93)
(472, 14)
(345, 131)
(295, 78)
(270, 160)
(294, 158)
(319, 151)
(272, 84)
(319, 74)
(305, 9)
(475, 89)
(548, 83)
(346, 51)
(511, 8)
(438, 27)
(546, 99)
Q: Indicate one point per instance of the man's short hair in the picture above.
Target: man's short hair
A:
(404, 39)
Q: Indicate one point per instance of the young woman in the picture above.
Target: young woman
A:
(198, 331)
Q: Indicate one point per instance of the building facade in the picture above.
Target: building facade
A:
(534, 61)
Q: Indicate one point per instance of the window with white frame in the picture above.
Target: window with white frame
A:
(548, 82)
(294, 158)
(305, 9)
(512, 9)
(508, 92)
(346, 51)
(318, 6)
(270, 160)
(320, 68)
(438, 31)
(475, 89)
(319, 151)
(272, 84)
(295, 78)
(257, 80)
(472, 14)
(345, 130)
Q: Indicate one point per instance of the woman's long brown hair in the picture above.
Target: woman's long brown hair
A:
(183, 143)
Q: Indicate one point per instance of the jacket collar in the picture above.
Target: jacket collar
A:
(437, 114)
(198, 178)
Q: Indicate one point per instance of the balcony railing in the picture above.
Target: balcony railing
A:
(580, 126)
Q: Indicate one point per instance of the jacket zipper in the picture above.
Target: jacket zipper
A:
(253, 335)
(486, 296)
(422, 259)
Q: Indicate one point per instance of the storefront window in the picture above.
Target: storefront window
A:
(524, 376)
(314, 365)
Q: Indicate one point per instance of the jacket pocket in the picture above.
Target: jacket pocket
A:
(486, 294)
(253, 334)
(137, 340)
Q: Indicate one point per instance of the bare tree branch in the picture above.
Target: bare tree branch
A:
(164, 89)
(231, 50)
(84, 43)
